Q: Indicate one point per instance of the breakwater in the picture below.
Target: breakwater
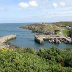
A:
(4, 39)
(52, 39)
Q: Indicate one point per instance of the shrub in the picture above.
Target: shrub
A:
(29, 60)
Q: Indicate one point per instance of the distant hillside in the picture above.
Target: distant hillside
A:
(63, 23)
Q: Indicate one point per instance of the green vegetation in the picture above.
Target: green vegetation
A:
(63, 24)
(30, 60)
(66, 32)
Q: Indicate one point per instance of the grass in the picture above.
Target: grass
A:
(66, 32)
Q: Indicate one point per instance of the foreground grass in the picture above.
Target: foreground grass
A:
(30, 60)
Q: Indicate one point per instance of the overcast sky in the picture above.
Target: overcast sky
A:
(35, 10)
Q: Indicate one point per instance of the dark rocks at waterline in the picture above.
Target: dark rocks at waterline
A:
(41, 41)
(67, 42)
(56, 41)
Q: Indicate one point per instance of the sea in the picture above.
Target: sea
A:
(25, 38)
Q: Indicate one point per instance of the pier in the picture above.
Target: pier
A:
(4, 39)
(52, 39)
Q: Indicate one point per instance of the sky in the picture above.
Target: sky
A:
(35, 11)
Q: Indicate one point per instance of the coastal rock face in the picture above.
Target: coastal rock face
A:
(46, 27)
(42, 28)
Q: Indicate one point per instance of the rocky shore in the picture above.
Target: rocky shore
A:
(45, 30)
(42, 28)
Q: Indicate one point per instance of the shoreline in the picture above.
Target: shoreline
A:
(60, 33)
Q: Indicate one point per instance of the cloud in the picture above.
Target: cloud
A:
(55, 5)
(33, 3)
(62, 4)
(23, 5)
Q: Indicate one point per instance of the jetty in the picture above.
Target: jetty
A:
(52, 39)
(4, 39)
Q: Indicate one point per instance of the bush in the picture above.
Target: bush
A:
(29, 60)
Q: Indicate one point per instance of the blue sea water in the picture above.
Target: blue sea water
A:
(25, 38)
